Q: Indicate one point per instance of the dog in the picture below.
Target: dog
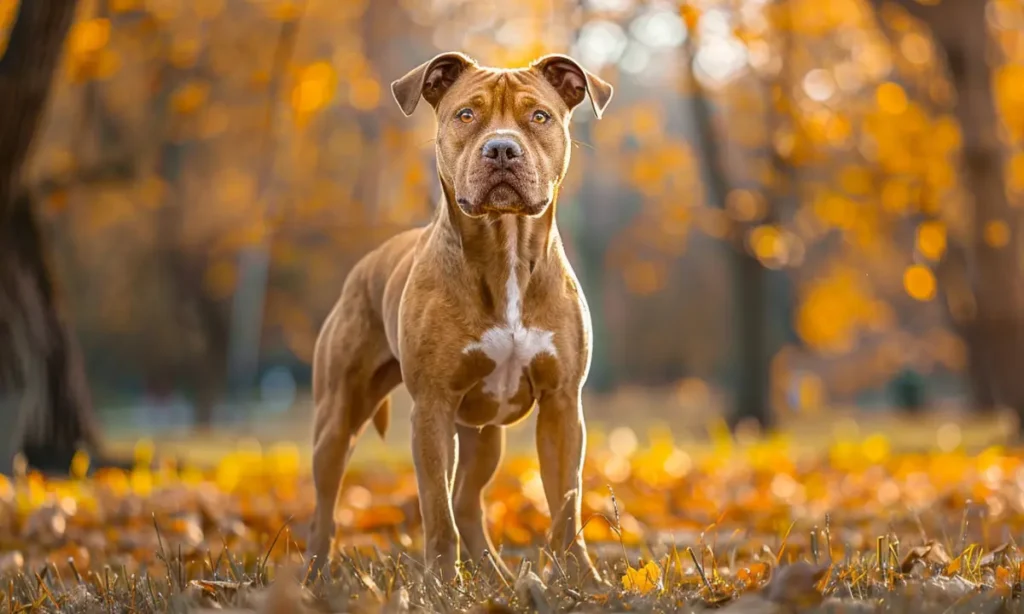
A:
(479, 314)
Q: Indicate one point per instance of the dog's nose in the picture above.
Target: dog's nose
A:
(502, 151)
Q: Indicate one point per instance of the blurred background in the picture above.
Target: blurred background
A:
(793, 210)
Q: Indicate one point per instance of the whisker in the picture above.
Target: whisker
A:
(581, 143)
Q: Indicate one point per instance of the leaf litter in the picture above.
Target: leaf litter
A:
(757, 528)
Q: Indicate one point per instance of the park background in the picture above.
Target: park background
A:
(795, 213)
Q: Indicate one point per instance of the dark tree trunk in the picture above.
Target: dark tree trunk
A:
(753, 358)
(45, 402)
(203, 369)
(994, 335)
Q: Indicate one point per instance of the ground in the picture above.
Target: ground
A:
(882, 515)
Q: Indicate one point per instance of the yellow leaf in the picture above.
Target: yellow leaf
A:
(766, 243)
(142, 482)
(123, 6)
(189, 97)
(875, 448)
(89, 36)
(931, 239)
(143, 452)
(80, 464)
(946, 134)
(891, 98)
(997, 233)
(1015, 172)
(314, 88)
(690, 15)
(919, 282)
(856, 180)
(286, 11)
(643, 580)
(896, 196)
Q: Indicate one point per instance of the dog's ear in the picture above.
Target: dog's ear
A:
(429, 80)
(573, 82)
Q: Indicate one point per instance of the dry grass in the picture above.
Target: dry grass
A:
(757, 526)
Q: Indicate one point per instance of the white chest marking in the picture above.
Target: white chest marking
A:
(511, 345)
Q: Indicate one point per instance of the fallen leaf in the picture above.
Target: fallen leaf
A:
(398, 603)
(531, 592)
(929, 553)
(995, 555)
(643, 580)
(796, 585)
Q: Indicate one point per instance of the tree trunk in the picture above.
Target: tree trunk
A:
(44, 398)
(202, 371)
(994, 336)
(753, 358)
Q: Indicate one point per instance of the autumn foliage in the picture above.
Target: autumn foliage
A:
(210, 171)
(183, 136)
(729, 519)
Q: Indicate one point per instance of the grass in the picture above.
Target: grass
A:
(857, 523)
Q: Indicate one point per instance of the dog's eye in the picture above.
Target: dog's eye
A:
(540, 117)
(465, 116)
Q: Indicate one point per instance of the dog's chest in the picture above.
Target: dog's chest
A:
(507, 393)
(515, 350)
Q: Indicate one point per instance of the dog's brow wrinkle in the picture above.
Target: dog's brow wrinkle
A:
(477, 79)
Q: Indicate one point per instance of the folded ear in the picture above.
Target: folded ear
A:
(430, 80)
(572, 81)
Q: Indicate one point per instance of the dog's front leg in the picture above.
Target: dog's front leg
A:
(561, 444)
(435, 454)
(480, 452)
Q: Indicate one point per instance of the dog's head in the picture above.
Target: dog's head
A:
(502, 134)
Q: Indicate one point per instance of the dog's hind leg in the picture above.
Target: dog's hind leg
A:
(353, 373)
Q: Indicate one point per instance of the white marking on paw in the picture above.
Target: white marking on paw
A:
(511, 345)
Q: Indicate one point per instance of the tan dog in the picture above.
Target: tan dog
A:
(479, 313)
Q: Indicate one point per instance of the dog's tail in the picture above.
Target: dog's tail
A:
(382, 417)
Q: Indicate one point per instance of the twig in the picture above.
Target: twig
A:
(266, 557)
(700, 571)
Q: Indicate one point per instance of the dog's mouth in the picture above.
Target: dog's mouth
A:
(502, 194)
(503, 197)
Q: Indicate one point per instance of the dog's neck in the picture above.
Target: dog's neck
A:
(499, 254)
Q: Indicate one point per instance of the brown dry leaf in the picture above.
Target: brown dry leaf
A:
(46, 525)
(532, 593)
(218, 587)
(752, 604)
(796, 585)
(995, 555)
(929, 553)
(285, 596)
(490, 608)
(11, 562)
(398, 603)
(370, 585)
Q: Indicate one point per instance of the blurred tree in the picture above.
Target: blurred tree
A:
(44, 397)
(994, 324)
(834, 171)
(195, 309)
(751, 338)
(579, 229)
